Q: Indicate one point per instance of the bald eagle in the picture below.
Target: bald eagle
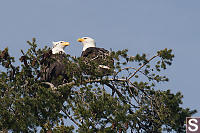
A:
(53, 64)
(98, 61)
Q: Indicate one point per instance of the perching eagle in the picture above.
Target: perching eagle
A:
(97, 60)
(53, 64)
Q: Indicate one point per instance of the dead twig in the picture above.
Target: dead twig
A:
(142, 66)
(71, 118)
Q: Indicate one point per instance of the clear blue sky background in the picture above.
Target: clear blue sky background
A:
(139, 25)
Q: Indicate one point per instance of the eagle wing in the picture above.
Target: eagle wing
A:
(99, 56)
(52, 66)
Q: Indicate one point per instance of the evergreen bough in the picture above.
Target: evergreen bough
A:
(128, 100)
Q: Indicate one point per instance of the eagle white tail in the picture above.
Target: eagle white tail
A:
(104, 67)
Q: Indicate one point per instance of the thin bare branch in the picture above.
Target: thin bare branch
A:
(114, 89)
(92, 81)
(142, 66)
(70, 117)
(53, 88)
(50, 84)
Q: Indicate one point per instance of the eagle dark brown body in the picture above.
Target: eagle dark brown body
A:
(98, 61)
(53, 68)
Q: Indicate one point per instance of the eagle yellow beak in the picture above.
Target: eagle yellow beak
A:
(65, 43)
(80, 40)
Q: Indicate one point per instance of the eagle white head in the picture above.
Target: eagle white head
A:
(87, 42)
(59, 46)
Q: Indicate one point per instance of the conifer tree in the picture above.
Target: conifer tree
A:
(128, 100)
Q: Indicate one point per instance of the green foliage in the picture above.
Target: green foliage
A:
(126, 99)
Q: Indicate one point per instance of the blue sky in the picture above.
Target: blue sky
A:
(142, 26)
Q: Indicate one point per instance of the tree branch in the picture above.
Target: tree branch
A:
(114, 89)
(70, 117)
(50, 84)
(142, 66)
(92, 81)
(53, 88)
